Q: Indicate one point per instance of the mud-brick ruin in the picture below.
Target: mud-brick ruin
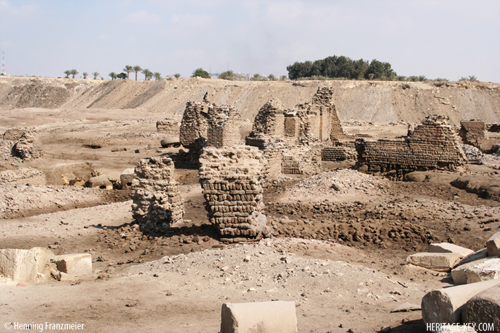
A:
(23, 143)
(434, 144)
(157, 203)
(299, 134)
(231, 178)
(194, 124)
(168, 126)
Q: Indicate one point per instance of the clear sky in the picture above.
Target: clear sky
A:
(436, 38)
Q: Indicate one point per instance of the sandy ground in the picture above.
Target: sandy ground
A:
(177, 282)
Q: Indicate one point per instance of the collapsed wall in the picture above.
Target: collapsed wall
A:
(433, 145)
(157, 203)
(232, 186)
(21, 142)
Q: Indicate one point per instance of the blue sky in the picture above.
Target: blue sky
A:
(436, 38)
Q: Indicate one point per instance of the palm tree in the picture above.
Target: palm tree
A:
(68, 73)
(73, 72)
(85, 74)
(147, 74)
(128, 69)
(177, 76)
(157, 76)
(96, 74)
(137, 69)
(112, 75)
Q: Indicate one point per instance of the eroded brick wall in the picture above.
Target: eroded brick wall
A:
(232, 185)
(433, 145)
(157, 203)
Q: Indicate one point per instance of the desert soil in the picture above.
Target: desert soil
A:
(325, 254)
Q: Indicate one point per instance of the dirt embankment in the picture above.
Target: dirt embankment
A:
(374, 101)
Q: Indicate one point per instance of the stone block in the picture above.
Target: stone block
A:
(493, 245)
(442, 262)
(262, 317)
(22, 265)
(484, 271)
(481, 254)
(74, 264)
(459, 275)
(445, 305)
(101, 182)
(126, 178)
(484, 308)
(449, 248)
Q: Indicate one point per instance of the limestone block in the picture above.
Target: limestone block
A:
(458, 274)
(74, 264)
(262, 317)
(445, 305)
(442, 262)
(126, 178)
(487, 270)
(22, 265)
(101, 181)
(481, 254)
(493, 245)
(484, 308)
(449, 248)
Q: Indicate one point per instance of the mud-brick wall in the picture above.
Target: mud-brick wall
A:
(232, 186)
(157, 203)
(224, 127)
(432, 145)
(168, 126)
(301, 159)
(194, 123)
(472, 131)
(270, 119)
(338, 153)
(272, 156)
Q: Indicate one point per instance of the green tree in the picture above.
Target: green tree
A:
(122, 76)
(177, 76)
(112, 75)
(157, 76)
(73, 72)
(128, 69)
(283, 78)
(147, 74)
(68, 73)
(271, 77)
(201, 73)
(227, 75)
(137, 69)
(85, 74)
(95, 74)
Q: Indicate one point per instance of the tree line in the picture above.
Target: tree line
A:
(342, 67)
